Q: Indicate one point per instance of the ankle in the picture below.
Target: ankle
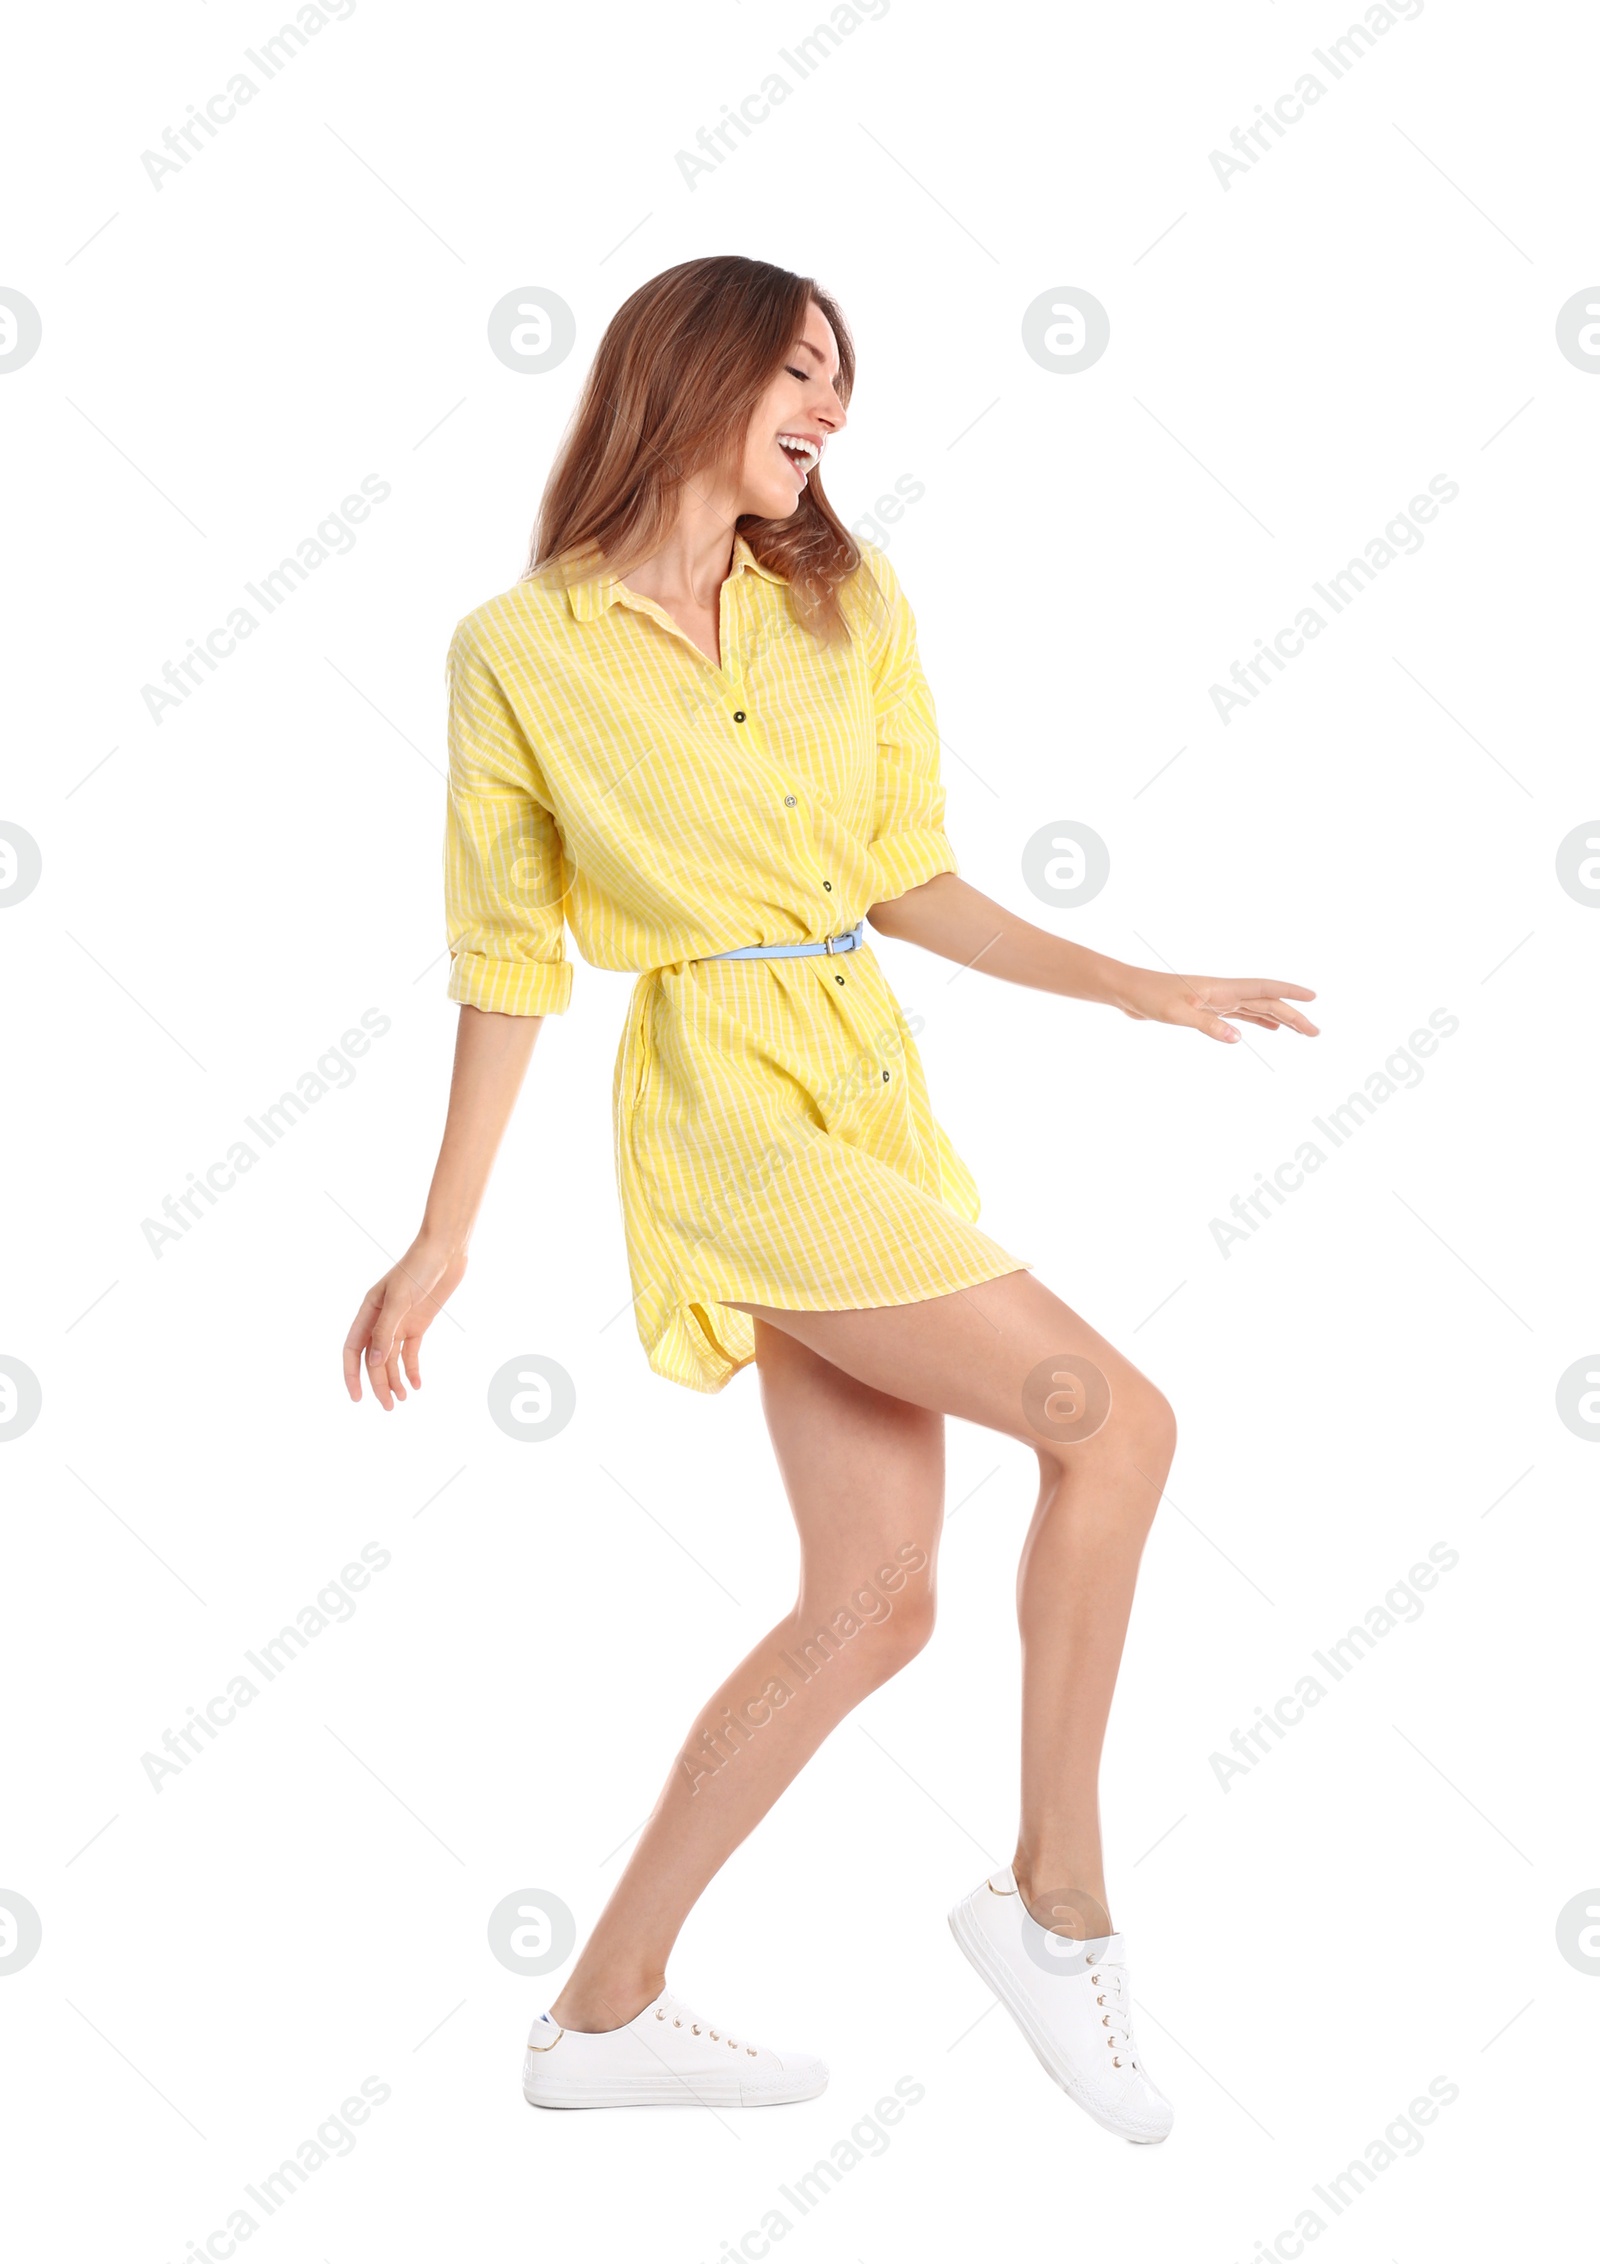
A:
(590, 2007)
(1067, 1898)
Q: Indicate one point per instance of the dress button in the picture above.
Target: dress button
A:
(788, 801)
(886, 1076)
(738, 715)
(839, 979)
(828, 884)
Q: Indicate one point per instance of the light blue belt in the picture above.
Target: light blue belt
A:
(851, 940)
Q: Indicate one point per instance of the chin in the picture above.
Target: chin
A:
(777, 505)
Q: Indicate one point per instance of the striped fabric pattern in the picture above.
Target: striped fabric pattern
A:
(774, 1136)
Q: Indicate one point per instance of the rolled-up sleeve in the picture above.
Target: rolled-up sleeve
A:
(909, 844)
(505, 870)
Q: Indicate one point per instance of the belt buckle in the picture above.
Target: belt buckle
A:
(827, 945)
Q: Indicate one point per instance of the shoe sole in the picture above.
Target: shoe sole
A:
(975, 1949)
(668, 2093)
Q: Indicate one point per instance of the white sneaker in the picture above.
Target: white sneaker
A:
(1072, 2002)
(666, 2056)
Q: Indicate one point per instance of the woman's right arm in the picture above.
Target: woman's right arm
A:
(492, 1053)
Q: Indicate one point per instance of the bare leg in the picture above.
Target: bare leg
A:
(865, 1478)
(988, 1354)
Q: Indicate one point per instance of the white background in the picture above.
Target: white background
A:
(1373, 1372)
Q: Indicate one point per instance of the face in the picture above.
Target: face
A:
(799, 406)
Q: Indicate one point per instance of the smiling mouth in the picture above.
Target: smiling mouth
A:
(803, 455)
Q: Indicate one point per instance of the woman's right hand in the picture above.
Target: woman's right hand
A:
(395, 1316)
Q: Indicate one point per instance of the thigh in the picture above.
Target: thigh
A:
(1008, 1354)
(863, 1470)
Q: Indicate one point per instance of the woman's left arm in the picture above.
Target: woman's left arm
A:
(946, 916)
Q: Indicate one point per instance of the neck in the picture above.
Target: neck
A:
(692, 564)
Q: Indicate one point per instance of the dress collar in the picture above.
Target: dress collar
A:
(597, 591)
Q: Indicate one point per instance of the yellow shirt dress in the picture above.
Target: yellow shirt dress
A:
(773, 1133)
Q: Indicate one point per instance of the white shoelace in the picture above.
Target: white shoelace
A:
(1113, 2002)
(679, 2015)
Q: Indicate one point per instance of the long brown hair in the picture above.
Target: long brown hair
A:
(670, 392)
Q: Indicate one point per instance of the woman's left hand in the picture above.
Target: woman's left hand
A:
(1200, 1002)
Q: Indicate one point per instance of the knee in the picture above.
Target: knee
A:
(1150, 1427)
(908, 1627)
(892, 1636)
(1140, 1429)
(1139, 1434)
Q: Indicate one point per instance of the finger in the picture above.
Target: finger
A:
(379, 1378)
(1211, 1025)
(356, 1342)
(1272, 1012)
(410, 1352)
(390, 1320)
(383, 1367)
(1288, 1016)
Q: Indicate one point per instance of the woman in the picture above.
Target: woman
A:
(698, 731)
